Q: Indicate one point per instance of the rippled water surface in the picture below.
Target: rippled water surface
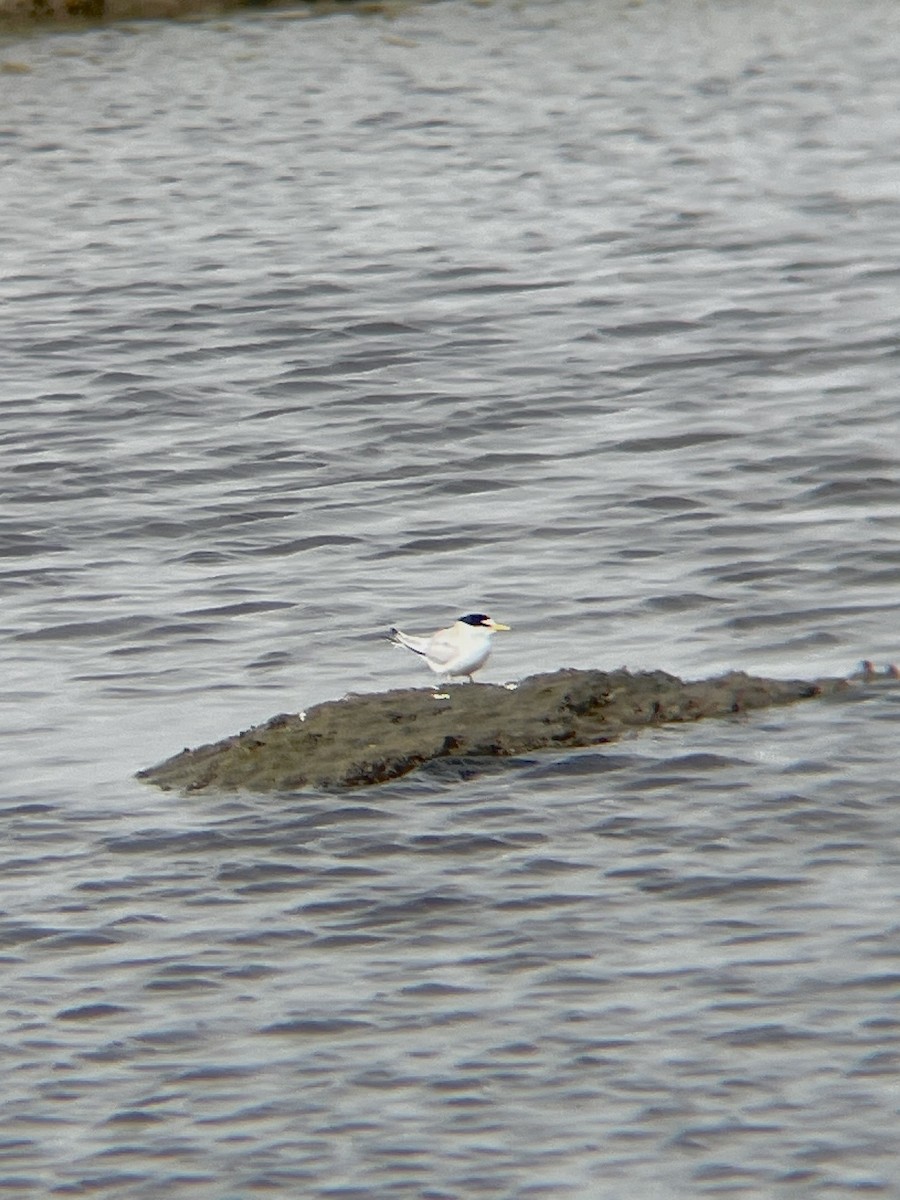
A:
(582, 314)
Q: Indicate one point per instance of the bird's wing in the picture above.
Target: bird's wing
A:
(417, 644)
(442, 647)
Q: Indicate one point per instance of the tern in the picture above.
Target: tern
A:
(460, 649)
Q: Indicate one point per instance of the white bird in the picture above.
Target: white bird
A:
(461, 649)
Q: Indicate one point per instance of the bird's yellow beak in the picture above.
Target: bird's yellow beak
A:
(497, 627)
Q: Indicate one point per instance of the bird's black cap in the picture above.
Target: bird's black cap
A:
(475, 619)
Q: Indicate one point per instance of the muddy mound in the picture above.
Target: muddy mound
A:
(367, 739)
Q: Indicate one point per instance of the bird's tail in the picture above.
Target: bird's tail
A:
(399, 638)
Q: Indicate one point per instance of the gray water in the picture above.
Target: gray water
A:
(581, 314)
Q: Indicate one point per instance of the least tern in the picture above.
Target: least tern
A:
(460, 649)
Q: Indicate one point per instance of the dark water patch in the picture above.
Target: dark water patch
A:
(27, 809)
(189, 984)
(313, 1028)
(632, 828)
(134, 1117)
(299, 545)
(459, 768)
(250, 971)
(86, 940)
(879, 1063)
(668, 503)
(700, 761)
(417, 906)
(766, 1035)
(813, 640)
(23, 545)
(762, 620)
(578, 764)
(725, 888)
(685, 602)
(681, 441)
(550, 900)
(239, 608)
(178, 1039)
(459, 844)
(550, 866)
(853, 491)
(435, 990)
(90, 1012)
(278, 939)
(768, 935)
(16, 933)
(648, 328)
(347, 941)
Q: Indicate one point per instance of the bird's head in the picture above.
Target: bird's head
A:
(483, 621)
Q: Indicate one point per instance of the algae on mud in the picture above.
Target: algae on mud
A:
(371, 738)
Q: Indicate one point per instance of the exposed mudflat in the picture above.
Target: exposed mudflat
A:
(61, 11)
(367, 739)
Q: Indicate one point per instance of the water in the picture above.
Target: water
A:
(583, 315)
